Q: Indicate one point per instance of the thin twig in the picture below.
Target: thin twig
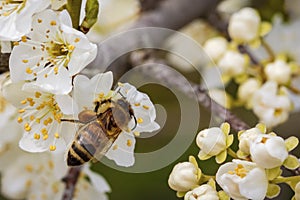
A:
(70, 180)
(171, 79)
(4, 59)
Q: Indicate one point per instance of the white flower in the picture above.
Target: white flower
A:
(227, 7)
(184, 177)
(242, 180)
(215, 47)
(268, 151)
(244, 25)
(34, 176)
(16, 17)
(91, 185)
(232, 63)
(271, 108)
(203, 192)
(40, 113)
(52, 53)
(87, 91)
(246, 91)
(278, 71)
(211, 141)
(247, 138)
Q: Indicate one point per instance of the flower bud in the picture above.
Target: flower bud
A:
(268, 151)
(247, 89)
(215, 47)
(242, 180)
(247, 137)
(183, 177)
(211, 141)
(278, 71)
(232, 63)
(244, 25)
(202, 192)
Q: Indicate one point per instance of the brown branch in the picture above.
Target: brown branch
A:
(147, 5)
(4, 59)
(70, 180)
(174, 80)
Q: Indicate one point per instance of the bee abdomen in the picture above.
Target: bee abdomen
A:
(78, 155)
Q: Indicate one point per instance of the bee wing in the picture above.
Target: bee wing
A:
(122, 150)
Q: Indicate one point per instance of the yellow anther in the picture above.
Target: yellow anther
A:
(140, 120)
(71, 47)
(136, 133)
(36, 136)
(53, 23)
(39, 20)
(20, 119)
(264, 140)
(32, 117)
(25, 61)
(16, 43)
(29, 168)
(55, 70)
(115, 147)
(45, 75)
(45, 137)
(24, 39)
(137, 104)
(28, 128)
(44, 131)
(77, 40)
(129, 143)
(146, 107)
(37, 94)
(21, 110)
(52, 147)
(28, 183)
(24, 101)
(101, 95)
(29, 70)
(56, 135)
(38, 120)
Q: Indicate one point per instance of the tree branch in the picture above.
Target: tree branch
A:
(4, 59)
(175, 80)
(71, 179)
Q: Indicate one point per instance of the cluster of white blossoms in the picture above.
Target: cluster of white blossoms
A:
(266, 86)
(253, 173)
(41, 95)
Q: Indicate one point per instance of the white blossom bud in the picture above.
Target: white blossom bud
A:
(211, 141)
(183, 177)
(268, 151)
(215, 47)
(232, 63)
(278, 71)
(247, 89)
(203, 192)
(244, 25)
(271, 108)
(242, 180)
(247, 138)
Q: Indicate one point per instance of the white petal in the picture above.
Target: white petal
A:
(121, 152)
(65, 103)
(14, 94)
(65, 18)
(97, 180)
(60, 83)
(28, 143)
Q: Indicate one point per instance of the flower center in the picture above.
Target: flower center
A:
(240, 171)
(8, 7)
(39, 112)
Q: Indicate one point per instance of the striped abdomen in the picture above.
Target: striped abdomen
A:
(91, 141)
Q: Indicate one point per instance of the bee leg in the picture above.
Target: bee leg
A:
(73, 121)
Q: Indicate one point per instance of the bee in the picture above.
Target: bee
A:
(100, 128)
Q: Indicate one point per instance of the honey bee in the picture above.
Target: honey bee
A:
(100, 129)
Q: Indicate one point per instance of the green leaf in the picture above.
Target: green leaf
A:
(223, 196)
(221, 157)
(273, 191)
(291, 143)
(91, 15)
(291, 162)
(273, 173)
